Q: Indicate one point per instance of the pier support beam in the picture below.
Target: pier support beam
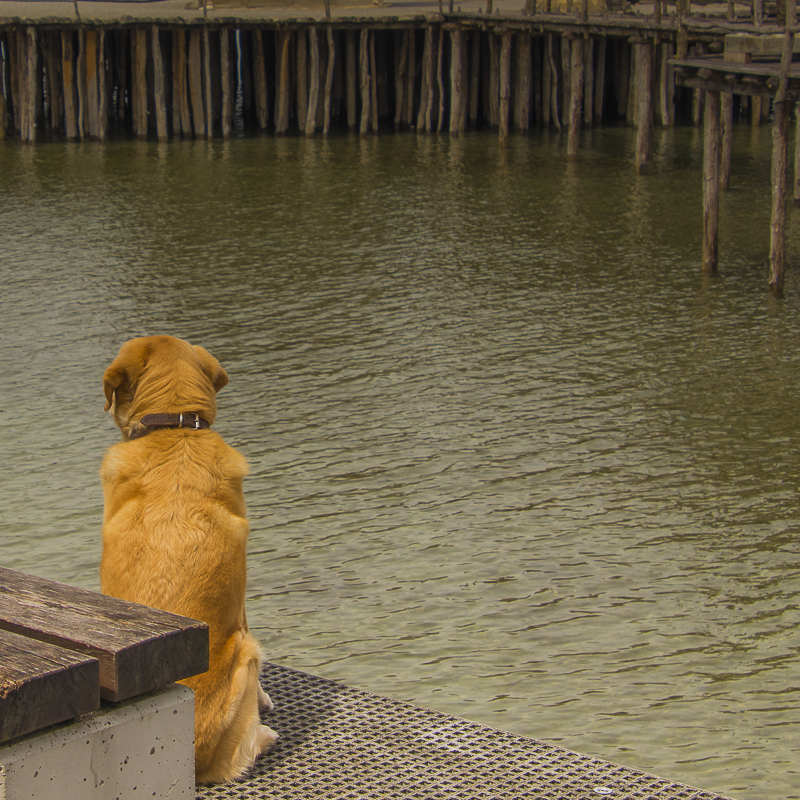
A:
(711, 168)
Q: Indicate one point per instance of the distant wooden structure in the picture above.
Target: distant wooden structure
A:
(760, 67)
(432, 70)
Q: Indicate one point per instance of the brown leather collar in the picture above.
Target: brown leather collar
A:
(149, 422)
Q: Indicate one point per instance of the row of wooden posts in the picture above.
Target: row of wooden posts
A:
(192, 81)
(196, 81)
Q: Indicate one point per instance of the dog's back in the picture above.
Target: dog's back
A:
(175, 537)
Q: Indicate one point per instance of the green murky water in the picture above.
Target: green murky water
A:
(512, 456)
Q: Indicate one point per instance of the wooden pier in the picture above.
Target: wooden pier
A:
(86, 70)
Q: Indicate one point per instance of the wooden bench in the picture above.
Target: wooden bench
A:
(63, 650)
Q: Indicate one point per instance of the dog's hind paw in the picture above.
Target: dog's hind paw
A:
(264, 702)
(267, 738)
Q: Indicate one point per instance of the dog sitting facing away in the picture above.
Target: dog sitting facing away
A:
(175, 534)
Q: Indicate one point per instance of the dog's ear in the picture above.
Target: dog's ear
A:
(212, 368)
(124, 370)
(112, 380)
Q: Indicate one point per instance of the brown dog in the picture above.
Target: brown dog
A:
(175, 534)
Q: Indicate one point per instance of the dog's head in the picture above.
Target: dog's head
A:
(162, 374)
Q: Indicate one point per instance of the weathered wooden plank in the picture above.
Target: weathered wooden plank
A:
(41, 685)
(139, 648)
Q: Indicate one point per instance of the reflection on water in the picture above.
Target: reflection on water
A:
(512, 456)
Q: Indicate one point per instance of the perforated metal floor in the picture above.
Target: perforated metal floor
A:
(340, 743)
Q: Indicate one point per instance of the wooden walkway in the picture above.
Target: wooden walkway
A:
(341, 743)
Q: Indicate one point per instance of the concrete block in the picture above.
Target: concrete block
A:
(141, 748)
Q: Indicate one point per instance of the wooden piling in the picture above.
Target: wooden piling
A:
(207, 88)
(474, 76)
(711, 168)
(494, 80)
(505, 87)
(425, 114)
(80, 75)
(666, 94)
(92, 95)
(329, 75)
(600, 79)
(3, 81)
(139, 83)
(588, 80)
(159, 89)
(727, 139)
(522, 93)
(68, 75)
(226, 82)
(547, 81)
(313, 84)
(644, 96)
(780, 150)
(411, 71)
(178, 50)
(440, 81)
(797, 155)
(365, 81)
(31, 87)
(575, 98)
(196, 82)
(457, 82)
(351, 76)
(284, 83)
(260, 80)
(102, 86)
(400, 70)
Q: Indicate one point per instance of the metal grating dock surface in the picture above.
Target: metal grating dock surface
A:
(341, 743)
